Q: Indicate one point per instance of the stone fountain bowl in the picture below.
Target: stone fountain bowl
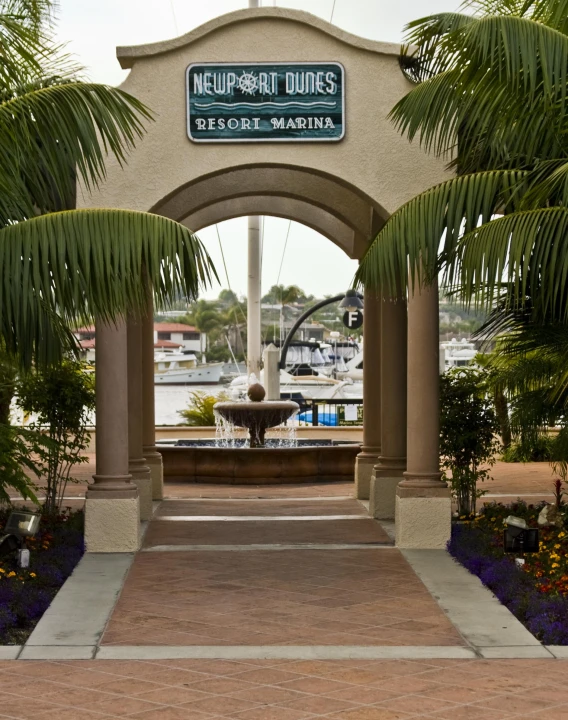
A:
(268, 413)
(257, 417)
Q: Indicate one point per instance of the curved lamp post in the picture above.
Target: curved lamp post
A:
(350, 301)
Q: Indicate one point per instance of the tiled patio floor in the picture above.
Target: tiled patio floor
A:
(285, 690)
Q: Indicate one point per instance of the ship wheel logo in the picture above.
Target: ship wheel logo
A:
(248, 83)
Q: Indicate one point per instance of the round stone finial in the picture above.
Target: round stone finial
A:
(256, 392)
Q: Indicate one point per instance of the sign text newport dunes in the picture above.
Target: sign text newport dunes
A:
(264, 102)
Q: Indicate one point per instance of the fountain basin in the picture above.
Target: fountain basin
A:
(198, 462)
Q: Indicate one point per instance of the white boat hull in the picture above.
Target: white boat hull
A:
(200, 375)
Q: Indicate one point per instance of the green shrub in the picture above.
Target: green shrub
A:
(61, 397)
(21, 449)
(200, 412)
(538, 449)
(468, 429)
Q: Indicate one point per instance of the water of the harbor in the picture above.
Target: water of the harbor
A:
(170, 399)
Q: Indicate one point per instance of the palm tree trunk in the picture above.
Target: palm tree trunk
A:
(502, 412)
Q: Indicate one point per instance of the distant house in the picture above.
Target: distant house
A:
(167, 336)
(308, 331)
(184, 336)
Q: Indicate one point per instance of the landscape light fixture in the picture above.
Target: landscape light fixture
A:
(351, 302)
(518, 537)
(20, 524)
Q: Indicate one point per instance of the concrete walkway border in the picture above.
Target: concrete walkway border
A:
(475, 612)
(79, 613)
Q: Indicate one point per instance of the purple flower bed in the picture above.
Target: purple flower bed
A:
(25, 594)
(545, 616)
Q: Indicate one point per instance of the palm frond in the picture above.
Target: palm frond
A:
(548, 184)
(520, 48)
(85, 263)
(429, 50)
(492, 124)
(523, 255)
(411, 238)
(49, 133)
(24, 40)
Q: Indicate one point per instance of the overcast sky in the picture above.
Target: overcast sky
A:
(93, 29)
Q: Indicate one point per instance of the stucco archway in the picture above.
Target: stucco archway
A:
(344, 189)
(342, 213)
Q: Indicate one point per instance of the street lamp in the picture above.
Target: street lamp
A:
(354, 301)
(351, 302)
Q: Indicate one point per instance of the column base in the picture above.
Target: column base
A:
(387, 474)
(143, 480)
(112, 525)
(382, 497)
(364, 464)
(154, 462)
(423, 517)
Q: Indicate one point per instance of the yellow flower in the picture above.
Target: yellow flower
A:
(562, 534)
(2, 570)
(557, 547)
(492, 519)
(555, 565)
(11, 574)
(32, 575)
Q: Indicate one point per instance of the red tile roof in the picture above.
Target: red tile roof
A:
(174, 327)
(161, 327)
(166, 344)
(90, 344)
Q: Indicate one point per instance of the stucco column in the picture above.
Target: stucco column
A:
(423, 504)
(112, 506)
(153, 458)
(387, 473)
(136, 463)
(371, 449)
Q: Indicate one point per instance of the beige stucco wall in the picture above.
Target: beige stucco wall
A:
(345, 189)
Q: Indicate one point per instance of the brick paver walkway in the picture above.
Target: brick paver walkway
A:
(248, 597)
(285, 690)
(290, 597)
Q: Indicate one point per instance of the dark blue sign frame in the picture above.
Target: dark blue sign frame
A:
(265, 102)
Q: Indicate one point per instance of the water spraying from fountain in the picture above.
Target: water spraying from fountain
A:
(257, 415)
